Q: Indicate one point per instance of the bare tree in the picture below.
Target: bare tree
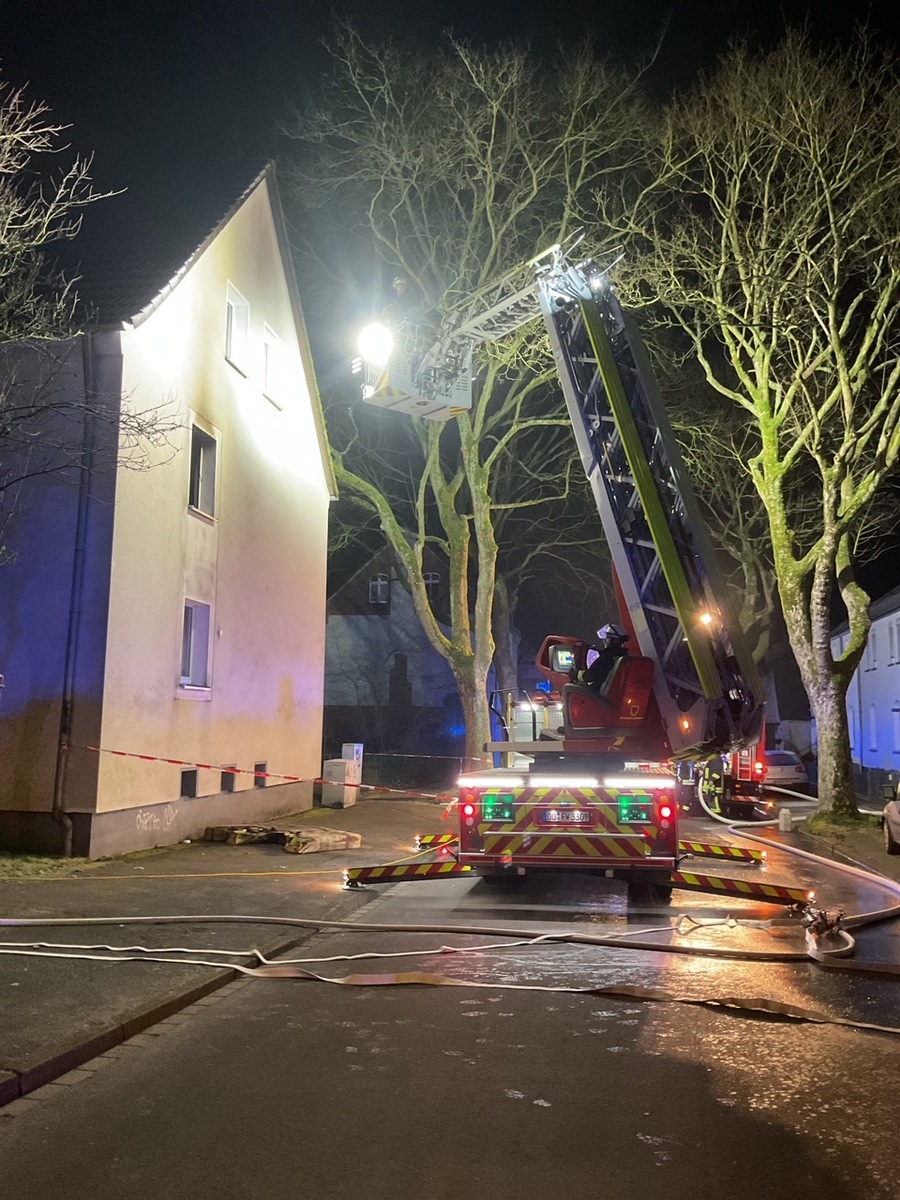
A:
(34, 212)
(41, 424)
(767, 230)
(457, 167)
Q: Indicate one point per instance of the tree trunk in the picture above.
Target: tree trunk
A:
(826, 686)
(835, 785)
(472, 685)
(504, 660)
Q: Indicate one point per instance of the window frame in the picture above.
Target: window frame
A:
(237, 329)
(273, 368)
(195, 655)
(204, 445)
(379, 584)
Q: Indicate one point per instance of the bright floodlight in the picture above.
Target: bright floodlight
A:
(375, 344)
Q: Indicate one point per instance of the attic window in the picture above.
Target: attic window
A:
(273, 386)
(379, 589)
(237, 329)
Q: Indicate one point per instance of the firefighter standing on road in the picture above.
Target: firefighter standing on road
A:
(714, 783)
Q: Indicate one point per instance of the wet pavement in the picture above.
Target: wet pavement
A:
(57, 1014)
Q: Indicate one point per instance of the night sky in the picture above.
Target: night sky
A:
(172, 85)
(162, 93)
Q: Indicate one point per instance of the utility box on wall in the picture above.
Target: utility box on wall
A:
(342, 777)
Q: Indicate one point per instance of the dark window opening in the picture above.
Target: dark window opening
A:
(259, 774)
(202, 493)
(379, 589)
(189, 784)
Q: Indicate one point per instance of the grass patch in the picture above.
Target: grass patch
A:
(33, 866)
(47, 866)
(836, 825)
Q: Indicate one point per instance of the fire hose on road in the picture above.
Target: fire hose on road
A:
(828, 943)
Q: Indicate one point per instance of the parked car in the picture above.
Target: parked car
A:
(784, 769)
(890, 821)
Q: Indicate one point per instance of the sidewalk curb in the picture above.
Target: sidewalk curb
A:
(21, 1083)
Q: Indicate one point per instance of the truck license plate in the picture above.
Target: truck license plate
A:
(566, 816)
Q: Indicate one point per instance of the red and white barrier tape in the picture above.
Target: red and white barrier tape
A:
(442, 797)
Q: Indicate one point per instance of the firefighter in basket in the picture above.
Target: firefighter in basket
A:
(601, 659)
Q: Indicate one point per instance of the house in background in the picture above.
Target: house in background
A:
(385, 684)
(177, 612)
(873, 698)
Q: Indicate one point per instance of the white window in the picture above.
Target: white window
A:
(870, 660)
(202, 490)
(273, 367)
(873, 728)
(237, 329)
(379, 589)
(895, 714)
(195, 645)
(851, 727)
(890, 643)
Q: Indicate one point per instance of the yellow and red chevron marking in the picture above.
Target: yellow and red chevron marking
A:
(745, 888)
(717, 850)
(559, 846)
(603, 805)
(391, 873)
(528, 837)
(430, 841)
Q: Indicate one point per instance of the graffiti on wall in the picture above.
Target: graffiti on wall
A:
(151, 820)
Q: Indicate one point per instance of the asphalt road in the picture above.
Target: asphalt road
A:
(494, 1087)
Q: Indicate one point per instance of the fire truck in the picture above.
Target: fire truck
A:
(594, 787)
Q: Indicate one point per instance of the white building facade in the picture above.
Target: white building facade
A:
(176, 613)
(873, 698)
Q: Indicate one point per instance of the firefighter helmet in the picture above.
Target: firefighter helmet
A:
(612, 634)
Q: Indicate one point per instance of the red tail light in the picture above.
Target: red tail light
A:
(759, 768)
(469, 810)
(665, 817)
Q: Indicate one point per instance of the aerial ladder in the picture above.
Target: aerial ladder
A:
(595, 795)
(693, 690)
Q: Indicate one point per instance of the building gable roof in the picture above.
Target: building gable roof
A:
(133, 247)
(133, 250)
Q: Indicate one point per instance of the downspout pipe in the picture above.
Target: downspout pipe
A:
(67, 705)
